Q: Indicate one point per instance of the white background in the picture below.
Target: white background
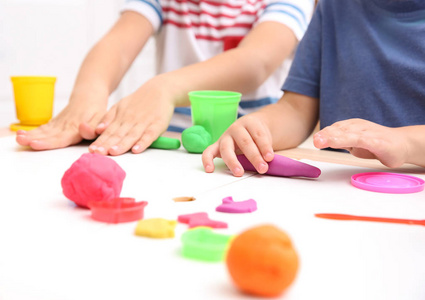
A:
(52, 37)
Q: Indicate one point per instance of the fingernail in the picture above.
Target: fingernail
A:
(115, 147)
(136, 147)
(236, 171)
(100, 149)
(21, 132)
(208, 168)
(262, 168)
(92, 148)
(269, 156)
(101, 126)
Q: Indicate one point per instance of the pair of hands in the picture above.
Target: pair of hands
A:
(251, 136)
(131, 124)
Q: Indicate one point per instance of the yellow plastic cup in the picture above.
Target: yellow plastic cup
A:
(34, 97)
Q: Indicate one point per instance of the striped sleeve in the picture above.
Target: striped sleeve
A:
(151, 9)
(295, 14)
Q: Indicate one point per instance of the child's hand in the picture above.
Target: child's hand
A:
(248, 135)
(133, 123)
(365, 139)
(62, 130)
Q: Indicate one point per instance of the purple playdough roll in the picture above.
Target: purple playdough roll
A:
(284, 166)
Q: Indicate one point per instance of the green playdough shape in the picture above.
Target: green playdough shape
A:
(202, 243)
(196, 139)
(165, 143)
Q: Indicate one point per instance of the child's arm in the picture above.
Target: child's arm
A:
(99, 75)
(275, 127)
(364, 139)
(137, 120)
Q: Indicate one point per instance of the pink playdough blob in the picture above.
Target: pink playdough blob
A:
(283, 166)
(93, 177)
(230, 206)
(200, 219)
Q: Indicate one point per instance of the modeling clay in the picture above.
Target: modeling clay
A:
(156, 228)
(230, 206)
(184, 199)
(370, 219)
(196, 139)
(165, 143)
(117, 210)
(203, 244)
(93, 177)
(283, 166)
(262, 261)
(200, 219)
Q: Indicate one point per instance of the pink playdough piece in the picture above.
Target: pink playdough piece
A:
(230, 206)
(283, 166)
(117, 210)
(93, 177)
(200, 219)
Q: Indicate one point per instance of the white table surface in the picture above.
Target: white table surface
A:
(49, 249)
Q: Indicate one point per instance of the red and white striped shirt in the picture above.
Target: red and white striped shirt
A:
(191, 31)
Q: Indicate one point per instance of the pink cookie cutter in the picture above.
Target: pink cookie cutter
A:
(283, 166)
(117, 210)
(230, 206)
(200, 219)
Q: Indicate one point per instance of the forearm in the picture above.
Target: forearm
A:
(291, 120)
(107, 62)
(241, 69)
(415, 143)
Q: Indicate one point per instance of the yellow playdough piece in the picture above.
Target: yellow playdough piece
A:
(156, 228)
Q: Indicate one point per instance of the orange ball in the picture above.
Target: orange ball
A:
(262, 261)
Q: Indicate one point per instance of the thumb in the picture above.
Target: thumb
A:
(106, 120)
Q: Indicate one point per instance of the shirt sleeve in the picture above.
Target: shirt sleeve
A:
(151, 9)
(305, 72)
(295, 14)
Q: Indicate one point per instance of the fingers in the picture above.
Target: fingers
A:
(49, 136)
(345, 135)
(110, 141)
(92, 129)
(364, 139)
(148, 137)
(208, 157)
(248, 136)
(118, 138)
(227, 153)
(106, 120)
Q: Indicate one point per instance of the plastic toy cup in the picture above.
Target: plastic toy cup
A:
(33, 100)
(214, 110)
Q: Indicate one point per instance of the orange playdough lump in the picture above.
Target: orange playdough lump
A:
(262, 261)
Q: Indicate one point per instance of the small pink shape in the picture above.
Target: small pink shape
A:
(231, 206)
(283, 166)
(93, 177)
(200, 219)
(117, 210)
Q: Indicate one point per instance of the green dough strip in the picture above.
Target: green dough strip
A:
(165, 143)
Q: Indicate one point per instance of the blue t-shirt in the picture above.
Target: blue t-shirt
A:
(364, 59)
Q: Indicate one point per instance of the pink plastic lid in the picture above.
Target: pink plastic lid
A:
(387, 182)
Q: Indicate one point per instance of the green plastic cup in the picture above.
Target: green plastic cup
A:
(214, 110)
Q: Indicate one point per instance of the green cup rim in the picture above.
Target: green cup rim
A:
(206, 95)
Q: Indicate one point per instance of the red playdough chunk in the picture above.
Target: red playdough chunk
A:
(93, 177)
(283, 166)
